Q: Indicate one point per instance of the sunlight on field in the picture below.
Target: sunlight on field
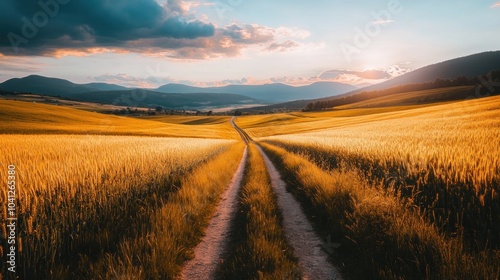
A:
(443, 159)
(410, 98)
(80, 194)
(188, 120)
(379, 236)
(462, 141)
(302, 122)
(32, 118)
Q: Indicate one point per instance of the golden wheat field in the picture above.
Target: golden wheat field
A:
(460, 141)
(444, 159)
(20, 117)
(406, 192)
(80, 194)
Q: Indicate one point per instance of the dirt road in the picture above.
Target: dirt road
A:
(210, 250)
(307, 246)
(299, 232)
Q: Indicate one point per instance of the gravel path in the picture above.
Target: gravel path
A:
(210, 250)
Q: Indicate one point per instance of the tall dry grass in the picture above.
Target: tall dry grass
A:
(176, 228)
(380, 237)
(78, 196)
(444, 159)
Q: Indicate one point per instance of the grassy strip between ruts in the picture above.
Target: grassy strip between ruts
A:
(176, 228)
(258, 247)
(380, 237)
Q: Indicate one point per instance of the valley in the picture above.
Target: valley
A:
(385, 187)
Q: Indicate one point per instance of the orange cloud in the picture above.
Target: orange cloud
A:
(85, 52)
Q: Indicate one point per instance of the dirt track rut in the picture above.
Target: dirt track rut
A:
(299, 232)
(209, 251)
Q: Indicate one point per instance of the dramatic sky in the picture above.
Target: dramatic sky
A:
(147, 43)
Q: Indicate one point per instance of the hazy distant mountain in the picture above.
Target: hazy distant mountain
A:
(53, 86)
(468, 66)
(147, 98)
(270, 92)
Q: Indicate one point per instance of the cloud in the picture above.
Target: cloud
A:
(92, 23)
(159, 80)
(289, 80)
(286, 32)
(383, 22)
(496, 5)
(367, 74)
(19, 64)
(283, 46)
(366, 77)
(248, 34)
(164, 28)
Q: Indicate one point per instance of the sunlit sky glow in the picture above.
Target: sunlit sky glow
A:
(148, 43)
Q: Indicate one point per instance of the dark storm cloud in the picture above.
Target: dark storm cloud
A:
(42, 27)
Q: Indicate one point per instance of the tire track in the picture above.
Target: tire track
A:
(313, 261)
(241, 132)
(210, 250)
(307, 245)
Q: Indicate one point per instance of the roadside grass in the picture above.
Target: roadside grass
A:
(78, 196)
(160, 249)
(20, 117)
(259, 249)
(381, 237)
(445, 162)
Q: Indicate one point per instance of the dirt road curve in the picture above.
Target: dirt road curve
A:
(313, 261)
(241, 132)
(210, 250)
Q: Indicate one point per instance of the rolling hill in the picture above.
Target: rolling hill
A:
(468, 66)
(147, 98)
(19, 117)
(53, 86)
(213, 96)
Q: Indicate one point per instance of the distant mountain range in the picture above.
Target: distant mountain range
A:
(468, 66)
(148, 98)
(53, 86)
(184, 96)
(269, 92)
(173, 95)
